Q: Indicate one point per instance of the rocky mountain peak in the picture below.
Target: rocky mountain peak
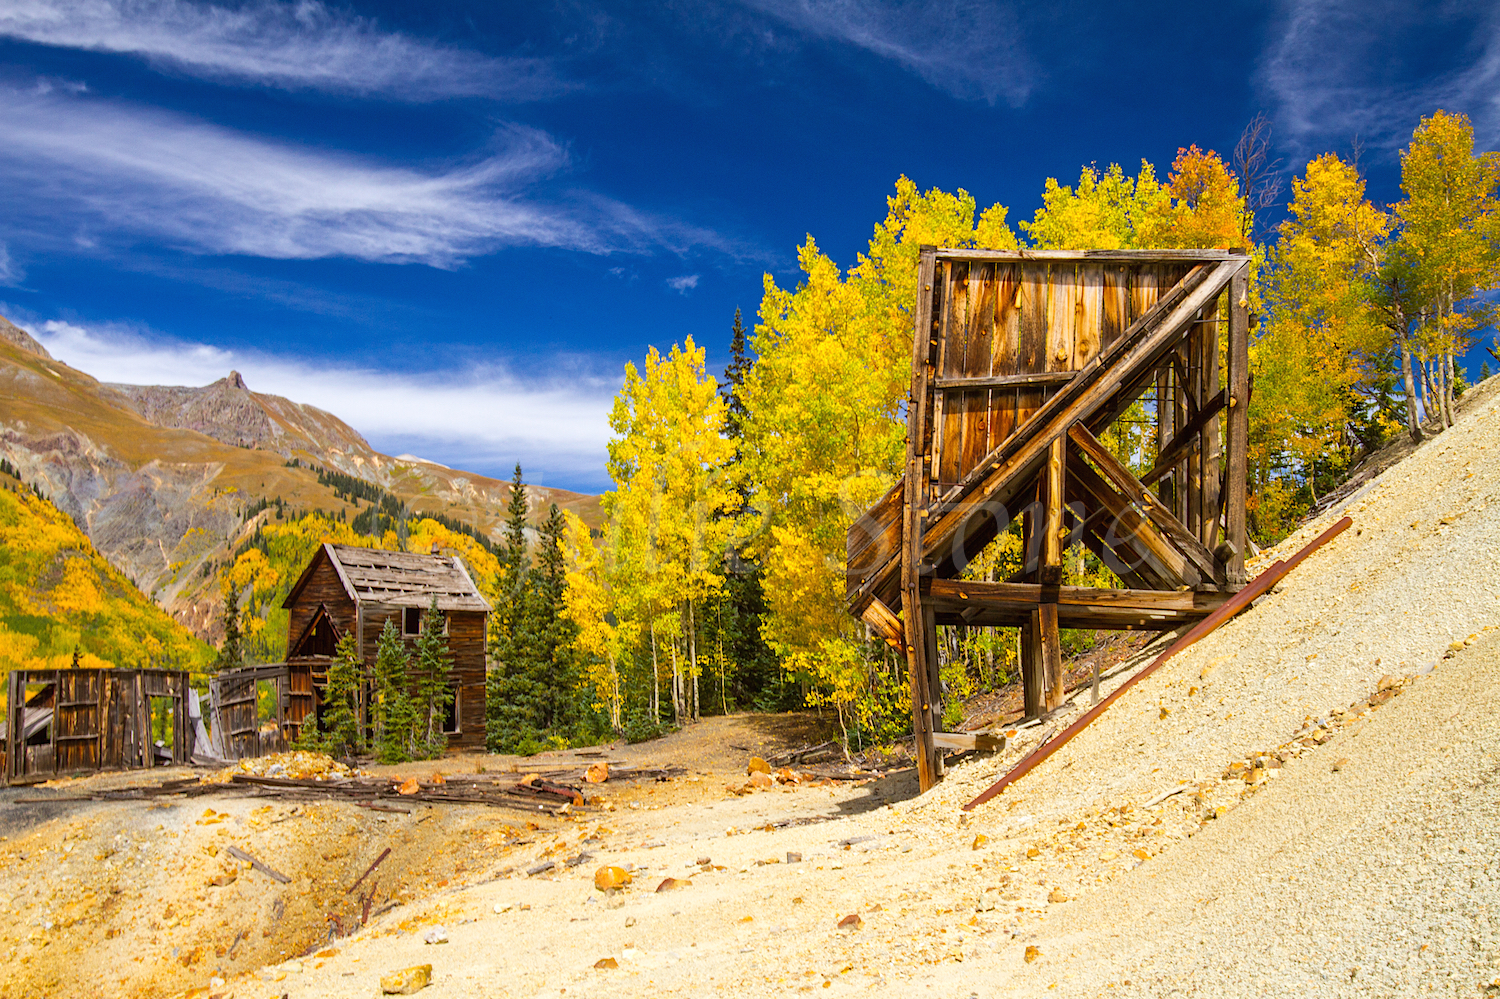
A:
(235, 381)
(14, 335)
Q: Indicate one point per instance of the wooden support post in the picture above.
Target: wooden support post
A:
(1052, 530)
(1033, 684)
(1049, 640)
(1209, 441)
(914, 511)
(1238, 424)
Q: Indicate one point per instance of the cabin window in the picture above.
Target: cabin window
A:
(450, 720)
(411, 621)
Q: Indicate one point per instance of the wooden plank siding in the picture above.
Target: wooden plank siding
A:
(96, 719)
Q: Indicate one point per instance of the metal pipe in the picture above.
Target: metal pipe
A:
(1231, 607)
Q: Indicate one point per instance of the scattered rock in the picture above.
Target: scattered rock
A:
(1032, 953)
(793, 857)
(409, 786)
(606, 963)
(407, 981)
(758, 766)
(761, 779)
(436, 935)
(851, 922)
(1340, 763)
(672, 884)
(704, 861)
(597, 773)
(979, 841)
(1165, 712)
(541, 868)
(1387, 682)
(607, 878)
(1057, 895)
(1109, 855)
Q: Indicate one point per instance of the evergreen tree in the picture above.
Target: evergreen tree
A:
(231, 650)
(1484, 370)
(338, 733)
(550, 636)
(505, 690)
(394, 716)
(433, 693)
(734, 376)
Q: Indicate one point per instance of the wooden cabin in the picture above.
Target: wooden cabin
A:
(347, 590)
(1021, 361)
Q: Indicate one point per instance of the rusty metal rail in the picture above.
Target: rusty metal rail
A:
(1231, 607)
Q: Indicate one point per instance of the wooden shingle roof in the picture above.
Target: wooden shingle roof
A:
(374, 576)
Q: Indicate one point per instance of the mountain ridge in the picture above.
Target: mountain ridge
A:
(167, 481)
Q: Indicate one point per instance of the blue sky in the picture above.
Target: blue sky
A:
(452, 223)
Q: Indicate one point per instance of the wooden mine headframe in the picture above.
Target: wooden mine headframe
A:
(1020, 361)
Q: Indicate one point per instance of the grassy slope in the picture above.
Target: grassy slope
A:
(58, 594)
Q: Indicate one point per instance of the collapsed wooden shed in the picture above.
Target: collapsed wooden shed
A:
(75, 721)
(1021, 360)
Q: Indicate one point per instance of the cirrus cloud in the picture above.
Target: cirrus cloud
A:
(115, 168)
(303, 45)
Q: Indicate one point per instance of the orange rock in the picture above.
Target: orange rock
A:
(606, 963)
(672, 884)
(851, 922)
(597, 773)
(437, 778)
(409, 786)
(761, 779)
(758, 765)
(1032, 953)
(980, 840)
(606, 878)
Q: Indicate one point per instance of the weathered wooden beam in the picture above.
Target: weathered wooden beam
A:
(1049, 638)
(885, 623)
(979, 741)
(1033, 680)
(1052, 522)
(1131, 526)
(1004, 381)
(1098, 256)
(1186, 440)
(912, 523)
(1238, 423)
(1131, 487)
(982, 593)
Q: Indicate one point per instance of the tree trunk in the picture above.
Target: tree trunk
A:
(655, 680)
(1413, 426)
(693, 656)
(676, 688)
(1448, 375)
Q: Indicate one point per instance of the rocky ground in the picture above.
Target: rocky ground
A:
(1304, 803)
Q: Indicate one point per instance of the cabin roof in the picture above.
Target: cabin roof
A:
(374, 576)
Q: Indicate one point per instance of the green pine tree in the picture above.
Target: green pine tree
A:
(394, 716)
(232, 649)
(1484, 370)
(433, 693)
(734, 377)
(507, 695)
(342, 734)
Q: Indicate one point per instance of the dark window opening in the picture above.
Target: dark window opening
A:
(411, 621)
(450, 719)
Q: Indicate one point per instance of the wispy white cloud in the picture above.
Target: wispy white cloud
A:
(11, 273)
(968, 48)
(1341, 70)
(683, 283)
(109, 167)
(300, 45)
(481, 420)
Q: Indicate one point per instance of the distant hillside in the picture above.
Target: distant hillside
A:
(58, 595)
(167, 482)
